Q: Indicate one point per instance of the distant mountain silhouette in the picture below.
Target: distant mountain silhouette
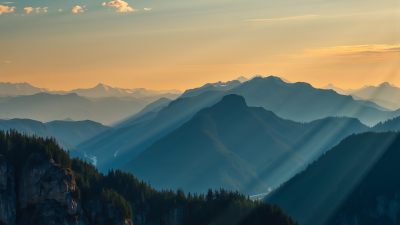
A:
(337, 89)
(67, 133)
(296, 101)
(242, 79)
(220, 86)
(237, 147)
(357, 182)
(48, 107)
(385, 95)
(104, 91)
(124, 142)
(302, 102)
(15, 89)
(99, 91)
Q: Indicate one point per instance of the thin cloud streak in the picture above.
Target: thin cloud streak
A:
(291, 18)
(356, 50)
(315, 16)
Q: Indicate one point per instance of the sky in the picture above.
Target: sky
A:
(158, 44)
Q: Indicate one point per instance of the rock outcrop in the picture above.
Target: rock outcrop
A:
(46, 194)
(42, 192)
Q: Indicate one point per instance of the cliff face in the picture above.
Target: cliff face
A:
(41, 185)
(44, 193)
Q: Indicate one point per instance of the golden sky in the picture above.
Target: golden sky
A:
(182, 44)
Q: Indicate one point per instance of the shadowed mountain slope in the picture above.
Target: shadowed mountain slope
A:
(234, 146)
(304, 103)
(42, 185)
(357, 182)
(296, 101)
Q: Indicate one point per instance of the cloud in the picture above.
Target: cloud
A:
(78, 9)
(29, 10)
(120, 5)
(7, 61)
(147, 9)
(4, 9)
(282, 19)
(357, 50)
(42, 10)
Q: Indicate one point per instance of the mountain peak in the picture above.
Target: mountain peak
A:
(329, 86)
(101, 85)
(233, 100)
(242, 79)
(274, 79)
(386, 84)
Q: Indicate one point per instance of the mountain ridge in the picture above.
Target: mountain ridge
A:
(251, 138)
(67, 133)
(48, 107)
(386, 95)
(258, 92)
(325, 187)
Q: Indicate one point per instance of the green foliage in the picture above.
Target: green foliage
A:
(17, 148)
(127, 194)
(274, 213)
(117, 201)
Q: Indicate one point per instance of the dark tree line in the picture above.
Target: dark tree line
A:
(138, 200)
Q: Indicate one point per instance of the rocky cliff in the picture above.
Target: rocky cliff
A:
(44, 193)
(41, 185)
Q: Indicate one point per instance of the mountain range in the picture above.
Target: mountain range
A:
(326, 156)
(295, 101)
(138, 141)
(23, 100)
(237, 147)
(67, 133)
(15, 89)
(357, 182)
(104, 91)
(385, 95)
(48, 107)
(302, 102)
(98, 91)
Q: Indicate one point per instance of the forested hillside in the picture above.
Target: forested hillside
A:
(40, 184)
